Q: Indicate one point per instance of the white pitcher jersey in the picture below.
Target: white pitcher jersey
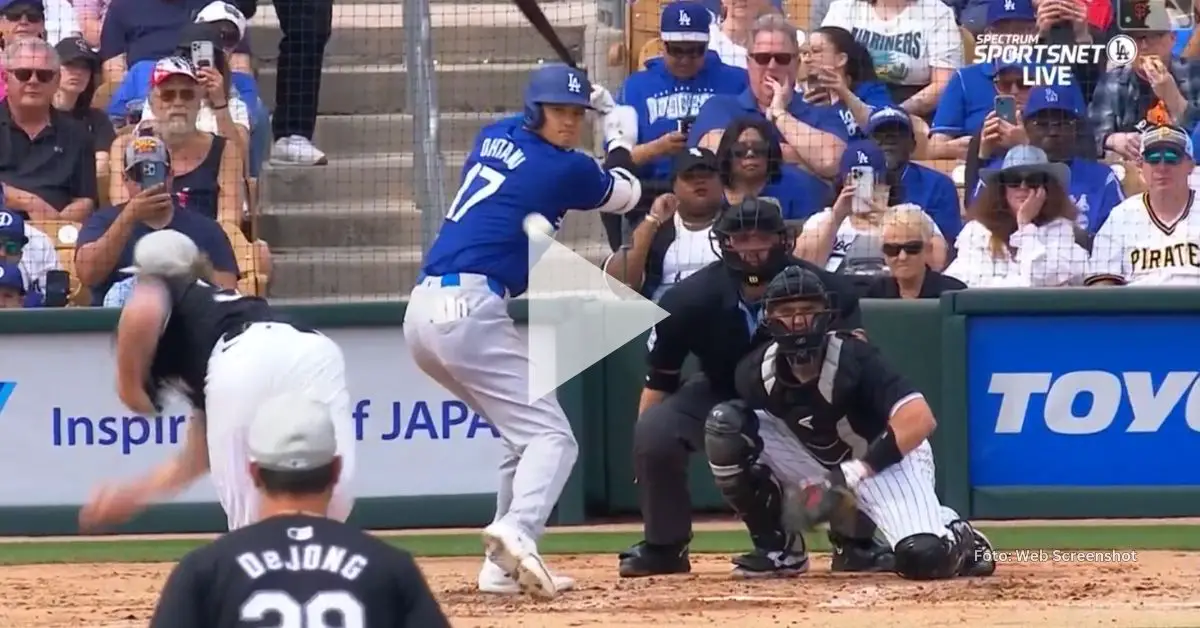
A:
(1135, 247)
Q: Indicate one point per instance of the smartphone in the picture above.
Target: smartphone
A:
(202, 54)
(684, 125)
(864, 188)
(57, 288)
(1006, 108)
(151, 174)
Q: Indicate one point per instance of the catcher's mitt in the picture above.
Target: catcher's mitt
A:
(825, 501)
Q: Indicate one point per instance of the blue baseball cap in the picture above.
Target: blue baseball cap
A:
(1052, 98)
(37, 4)
(11, 277)
(558, 84)
(12, 226)
(887, 115)
(862, 153)
(685, 21)
(999, 10)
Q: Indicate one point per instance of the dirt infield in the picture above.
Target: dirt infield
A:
(1146, 589)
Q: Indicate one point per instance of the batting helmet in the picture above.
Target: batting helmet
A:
(555, 84)
(799, 330)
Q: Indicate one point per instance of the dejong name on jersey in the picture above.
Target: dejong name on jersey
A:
(1148, 400)
(307, 557)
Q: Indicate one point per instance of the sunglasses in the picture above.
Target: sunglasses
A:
(750, 149)
(1054, 123)
(25, 74)
(892, 249)
(30, 15)
(780, 58)
(10, 248)
(686, 50)
(229, 37)
(1009, 84)
(1166, 156)
(168, 96)
(1031, 180)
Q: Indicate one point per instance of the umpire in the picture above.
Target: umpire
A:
(714, 315)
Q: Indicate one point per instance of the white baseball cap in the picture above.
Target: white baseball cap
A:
(292, 433)
(220, 11)
(166, 253)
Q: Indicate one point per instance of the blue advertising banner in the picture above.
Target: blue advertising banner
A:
(1084, 400)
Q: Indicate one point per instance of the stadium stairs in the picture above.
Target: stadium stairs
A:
(351, 230)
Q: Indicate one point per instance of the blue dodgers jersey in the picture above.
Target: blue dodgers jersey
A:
(662, 101)
(510, 173)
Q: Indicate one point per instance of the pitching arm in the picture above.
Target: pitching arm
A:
(142, 321)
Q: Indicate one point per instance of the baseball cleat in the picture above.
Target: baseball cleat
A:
(644, 559)
(860, 556)
(492, 579)
(980, 562)
(516, 555)
(763, 564)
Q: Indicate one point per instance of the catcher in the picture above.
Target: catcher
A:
(826, 426)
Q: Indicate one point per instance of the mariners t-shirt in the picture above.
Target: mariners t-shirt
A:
(904, 49)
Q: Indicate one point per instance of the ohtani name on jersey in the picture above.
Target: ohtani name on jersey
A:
(503, 150)
(309, 557)
(1178, 254)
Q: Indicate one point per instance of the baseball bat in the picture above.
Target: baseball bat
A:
(534, 14)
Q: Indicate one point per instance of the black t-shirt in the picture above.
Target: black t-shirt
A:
(200, 314)
(839, 413)
(297, 570)
(709, 319)
(932, 286)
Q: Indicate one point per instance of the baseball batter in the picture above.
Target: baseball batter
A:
(457, 325)
(822, 410)
(228, 354)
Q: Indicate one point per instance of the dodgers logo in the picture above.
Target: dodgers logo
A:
(6, 219)
(1010, 6)
(862, 158)
(684, 20)
(573, 84)
(1051, 96)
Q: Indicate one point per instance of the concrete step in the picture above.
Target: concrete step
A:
(351, 180)
(381, 223)
(351, 89)
(374, 33)
(393, 132)
(328, 273)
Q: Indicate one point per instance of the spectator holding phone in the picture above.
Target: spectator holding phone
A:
(907, 239)
(1022, 228)
(931, 190)
(849, 232)
(27, 247)
(107, 239)
(666, 97)
(750, 162)
(916, 46)
(54, 176)
(1051, 119)
(80, 71)
(811, 137)
(842, 76)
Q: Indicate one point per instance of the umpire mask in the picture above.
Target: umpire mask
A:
(798, 313)
(752, 240)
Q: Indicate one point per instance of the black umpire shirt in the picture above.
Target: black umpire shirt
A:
(708, 318)
(58, 165)
(297, 570)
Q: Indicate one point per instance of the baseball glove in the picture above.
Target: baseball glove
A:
(828, 500)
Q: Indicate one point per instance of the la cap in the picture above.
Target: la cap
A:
(292, 433)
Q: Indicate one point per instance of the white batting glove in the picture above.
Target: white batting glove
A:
(602, 100)
(620, 128)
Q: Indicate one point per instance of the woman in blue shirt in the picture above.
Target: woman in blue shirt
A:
(751, 163)
(842, 76)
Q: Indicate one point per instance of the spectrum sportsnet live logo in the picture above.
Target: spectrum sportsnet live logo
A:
(1045, 64)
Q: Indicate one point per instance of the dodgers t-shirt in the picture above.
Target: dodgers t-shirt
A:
(904, 49)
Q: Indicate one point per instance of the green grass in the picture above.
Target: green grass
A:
(1147, 537)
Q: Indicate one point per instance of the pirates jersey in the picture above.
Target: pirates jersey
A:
(1136, 248)
(837, 414)
(297, 570)
(200, 314)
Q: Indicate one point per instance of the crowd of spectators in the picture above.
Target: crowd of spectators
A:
(1022, 195)
(123, 117)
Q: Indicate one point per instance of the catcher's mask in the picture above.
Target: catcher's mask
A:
(798, 312)
(752, 239)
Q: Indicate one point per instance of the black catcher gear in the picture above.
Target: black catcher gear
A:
(753, 240)
(798, 313)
